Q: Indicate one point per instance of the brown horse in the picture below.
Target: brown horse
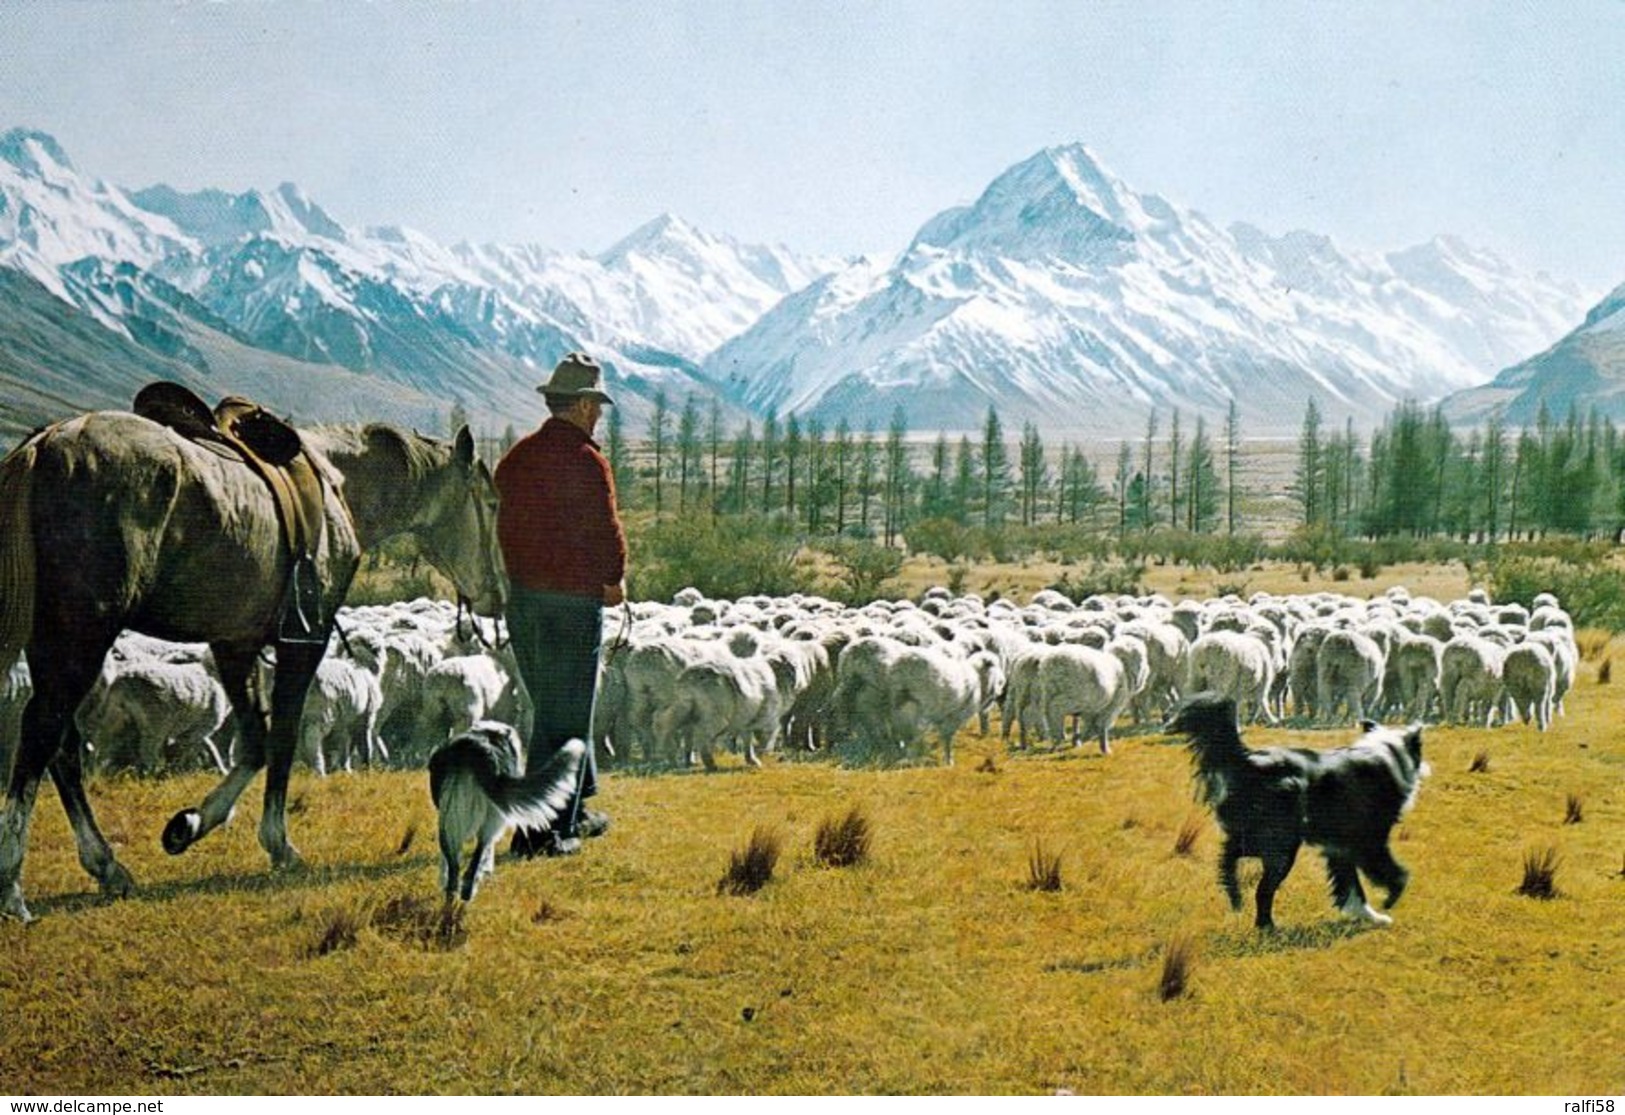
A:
(109, 522)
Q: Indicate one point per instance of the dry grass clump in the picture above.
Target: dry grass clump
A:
(751, 868)
(1043, 869)
(1178, 962)
(1605, 672)
(407, 839)
(428, 923)
(1480, 764)
(1540, 873)
(340, 929)
(1574, 810)
(549, 911)
(1185, 839)
(1591, 642)
(843, 842)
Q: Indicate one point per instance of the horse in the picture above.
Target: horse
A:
(110, 521)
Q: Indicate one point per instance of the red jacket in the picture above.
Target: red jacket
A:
(557, 522)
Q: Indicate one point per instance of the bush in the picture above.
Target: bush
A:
(723, 558)
(862, 567)
(1594, 595)
(1100, 579)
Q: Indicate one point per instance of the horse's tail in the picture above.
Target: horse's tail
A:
(16, 552)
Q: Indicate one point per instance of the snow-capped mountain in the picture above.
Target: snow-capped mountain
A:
(1583, 370)
(1061, 295)
(476, 326)
(1066, 298)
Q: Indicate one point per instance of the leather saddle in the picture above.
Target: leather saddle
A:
(272, 449)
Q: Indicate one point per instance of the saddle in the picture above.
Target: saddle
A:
(272, 449)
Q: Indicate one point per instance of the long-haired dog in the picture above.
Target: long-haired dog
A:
(480, 787)
(1269, 802)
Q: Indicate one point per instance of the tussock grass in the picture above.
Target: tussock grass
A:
(339, 929)
(1185, 840)
(408, 838)
(1540, 873)
(1178, 964)
(1043, 869)
(1605, 672)
(1574, 810)
(1480, 764)
(844, 841)
(751, 868)
(929, 971)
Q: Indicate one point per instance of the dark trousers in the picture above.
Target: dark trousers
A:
(556, 641)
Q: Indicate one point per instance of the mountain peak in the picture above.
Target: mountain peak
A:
(662, 233)
(1060, 203)
(33, 151)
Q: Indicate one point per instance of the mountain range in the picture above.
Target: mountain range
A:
(1061, 296)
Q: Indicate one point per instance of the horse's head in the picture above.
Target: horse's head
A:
(458, 531)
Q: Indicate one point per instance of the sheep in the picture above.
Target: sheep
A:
(465, 688)
(1559, 640)
(723, 697)
(1414, 666)
(152, 715)
(1238, 665)
(1470, 679)
(341, 709)
(1348, 674)
(888, 693)
(1530, 681)
(1089, 684)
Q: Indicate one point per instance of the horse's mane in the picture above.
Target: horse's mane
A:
(421, 455)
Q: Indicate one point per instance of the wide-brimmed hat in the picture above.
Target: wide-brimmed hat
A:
(577, 376)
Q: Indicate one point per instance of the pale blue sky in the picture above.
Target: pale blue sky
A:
(841, 127)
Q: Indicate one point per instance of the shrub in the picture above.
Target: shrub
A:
(724, 558)
(1594, 595)
(1540, 874)
(751, 868)
(1043, 869)
(1178, 961)
(843, 842)
(862, 567)
(1101, 579)
(1185, 840)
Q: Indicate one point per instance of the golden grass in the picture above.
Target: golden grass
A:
(928, 968)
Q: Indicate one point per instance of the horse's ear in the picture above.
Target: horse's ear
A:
(463, 446)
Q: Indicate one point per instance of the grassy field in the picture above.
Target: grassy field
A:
(933, 967)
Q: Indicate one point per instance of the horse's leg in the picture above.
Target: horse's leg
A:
(295, 670)
(61, 680)
(236, 665)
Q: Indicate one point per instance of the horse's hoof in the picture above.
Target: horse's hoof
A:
(182, 831)
(13, 906)
(288, 859)
(117, 882)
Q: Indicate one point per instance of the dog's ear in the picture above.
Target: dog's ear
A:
(1413, 741)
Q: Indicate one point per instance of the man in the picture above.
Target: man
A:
(562, 541)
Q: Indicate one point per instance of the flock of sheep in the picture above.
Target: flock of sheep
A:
(881, 683)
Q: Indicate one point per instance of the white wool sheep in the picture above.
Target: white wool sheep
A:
(1090, 685)
(1238, 665)
(732, 696)
(153, 716)
(341, 712)
(465, 688)
(1470, 679)
(1530, 680)
(1348, 674)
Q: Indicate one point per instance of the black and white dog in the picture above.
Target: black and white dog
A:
(480, 787)
(1269, 802)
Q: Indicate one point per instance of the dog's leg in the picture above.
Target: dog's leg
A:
(1277, 866)
(450, 853)
(1387, 872)
(1347, 893)
(1229, 857)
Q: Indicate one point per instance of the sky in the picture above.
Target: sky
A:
(839, 128)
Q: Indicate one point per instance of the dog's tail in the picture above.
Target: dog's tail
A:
(536, 798)
(532, 800)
